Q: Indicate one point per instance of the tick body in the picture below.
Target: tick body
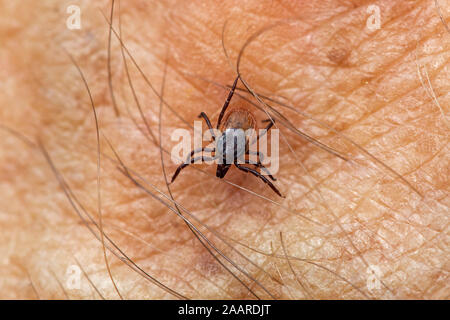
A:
(232, 145)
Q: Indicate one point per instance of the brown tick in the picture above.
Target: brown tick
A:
(233, 143)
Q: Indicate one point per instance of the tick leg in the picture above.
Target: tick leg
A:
(227, 102)
(257, 153)
(192, 160)
(199, 150)
(257, 174)
(270, 125)
(272, 121)
(262, 167)
(208, 123)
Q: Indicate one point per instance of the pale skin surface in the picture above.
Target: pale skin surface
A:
(377, 237)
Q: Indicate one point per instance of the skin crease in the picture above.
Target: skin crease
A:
(376, 232)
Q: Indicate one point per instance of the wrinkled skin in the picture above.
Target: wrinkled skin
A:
(375, 231)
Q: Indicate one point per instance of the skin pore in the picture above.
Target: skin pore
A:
(373, 235)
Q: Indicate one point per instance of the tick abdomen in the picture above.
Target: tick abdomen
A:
(232, 143)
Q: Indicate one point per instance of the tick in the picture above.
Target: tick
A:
(232, 144)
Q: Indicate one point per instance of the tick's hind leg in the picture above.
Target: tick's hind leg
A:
(259, 164)
(257, 174)
(191, 160)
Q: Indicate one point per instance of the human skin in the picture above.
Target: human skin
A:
(378, 237)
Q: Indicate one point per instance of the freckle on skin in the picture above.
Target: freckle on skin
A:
(339, 56)
(208, 265)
